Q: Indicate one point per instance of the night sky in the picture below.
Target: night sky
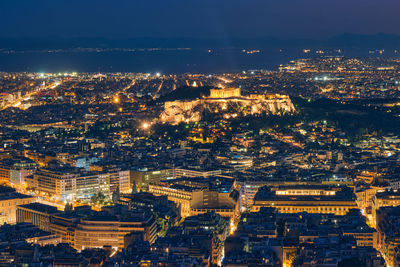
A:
(197, 18)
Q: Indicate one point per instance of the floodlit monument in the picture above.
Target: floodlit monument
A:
(225, 101)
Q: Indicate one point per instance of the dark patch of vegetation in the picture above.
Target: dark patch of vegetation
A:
(103, 128)
(175, 132)
(355, 118)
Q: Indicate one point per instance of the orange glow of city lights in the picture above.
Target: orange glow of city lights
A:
(145, 125)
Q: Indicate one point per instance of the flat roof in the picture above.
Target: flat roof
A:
(41, 208)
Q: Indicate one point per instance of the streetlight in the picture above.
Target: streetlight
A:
(145, 125)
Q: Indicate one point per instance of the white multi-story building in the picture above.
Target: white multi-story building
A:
(68, 183)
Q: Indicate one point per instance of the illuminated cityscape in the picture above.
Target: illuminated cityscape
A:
(209, 133)
(210, 169)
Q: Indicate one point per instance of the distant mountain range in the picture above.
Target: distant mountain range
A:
(378, 41)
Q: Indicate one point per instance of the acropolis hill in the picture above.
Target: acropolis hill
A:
(228, 102)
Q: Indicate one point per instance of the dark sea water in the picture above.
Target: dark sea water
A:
(175, 61)
(164, 61)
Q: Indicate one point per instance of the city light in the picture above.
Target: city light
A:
(225, 157)
(145, 125)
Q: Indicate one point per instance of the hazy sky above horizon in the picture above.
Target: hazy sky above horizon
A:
(197, 18)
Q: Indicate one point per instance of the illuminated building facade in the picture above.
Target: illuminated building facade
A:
(182, 197)
(37, 214)
(248, 188)
(178, 172)
(365, 196)
(97, 232)
(85, 228)
(68, 184)
(304, 198)
(143, 177)
(63, 225)
(14, 171)
(9, 201)
(225, 92)
(196, 196)
(389, 198)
